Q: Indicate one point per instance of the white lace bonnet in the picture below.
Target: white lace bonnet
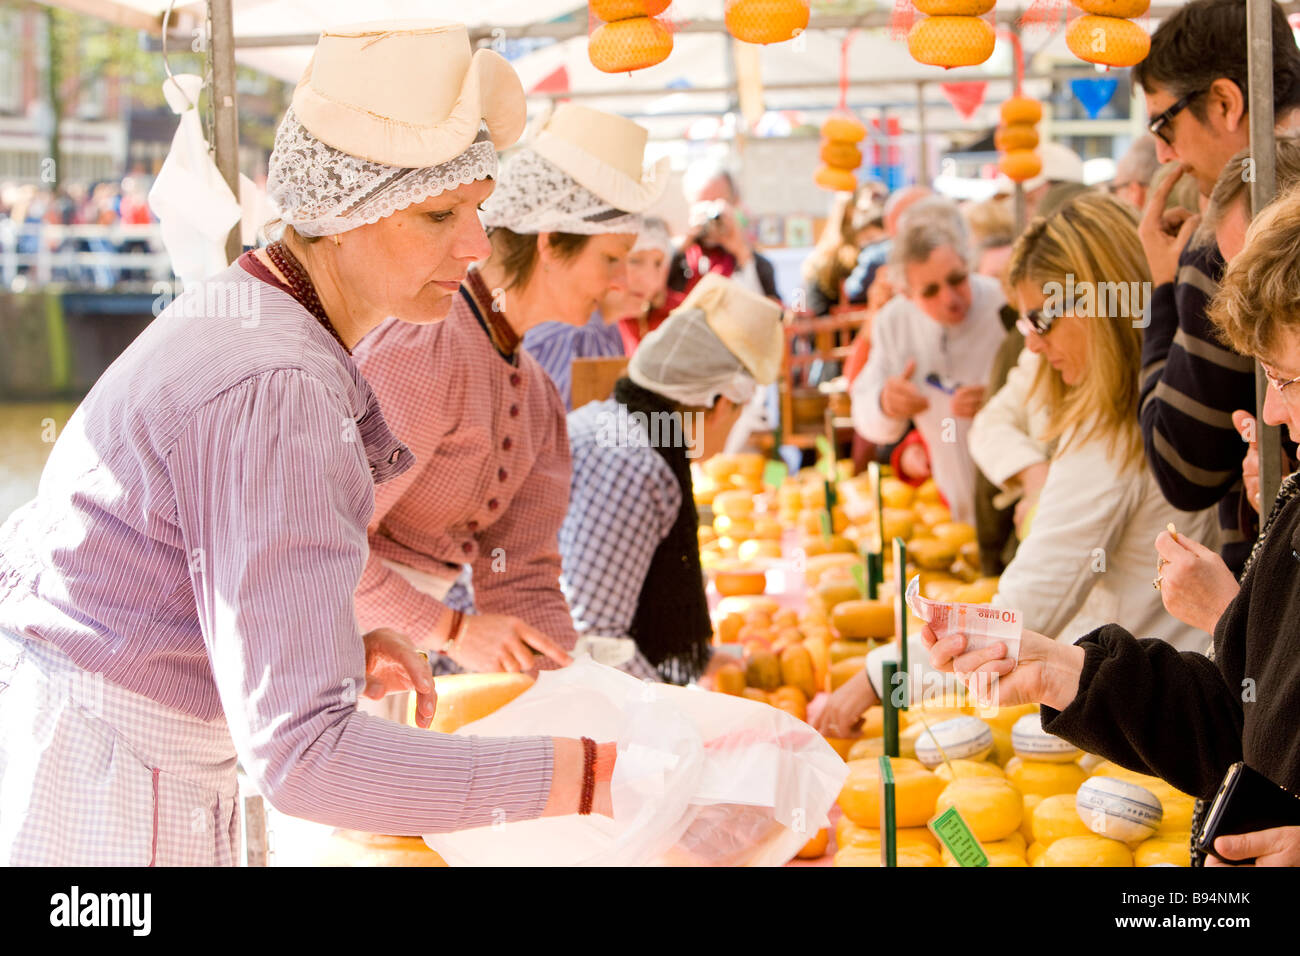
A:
(388, 114)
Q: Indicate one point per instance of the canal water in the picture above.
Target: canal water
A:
(27, 433)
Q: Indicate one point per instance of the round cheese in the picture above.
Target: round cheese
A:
(966, 738)
(1118, 809)
(1033, 743)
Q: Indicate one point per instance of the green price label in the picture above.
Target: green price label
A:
(827, 456)
(953, 833)
(826, 523)
(774, 473)
(860, 579)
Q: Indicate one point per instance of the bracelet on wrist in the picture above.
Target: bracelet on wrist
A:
(588, 776)
(453, 632)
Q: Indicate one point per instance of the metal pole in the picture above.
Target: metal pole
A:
(226, 124)
(922, 147)
(1021, 209)
(1263, 151)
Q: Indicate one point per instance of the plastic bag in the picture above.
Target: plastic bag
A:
(701, 778)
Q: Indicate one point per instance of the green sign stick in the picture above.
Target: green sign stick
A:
(889, 729)
(873, 471)
(953, 833)
(888, 836)
(860, 579)
(875, 572)
(900, 613)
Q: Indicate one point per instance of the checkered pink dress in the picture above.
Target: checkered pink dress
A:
(152, 786)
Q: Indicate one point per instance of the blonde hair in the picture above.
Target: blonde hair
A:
(1232, 186)
(1091, 241)
(1260, 291)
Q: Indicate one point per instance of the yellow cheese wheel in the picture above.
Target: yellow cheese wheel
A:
(356, 848)
(951, 41)
(611, 10)
(766, 21)
(1055, 818)
(836, 179)
(1124, 9)
(954, 533)
(915, 792)
(1004, 717)
(931, 514)
(980, 591)
(463, 698)
(1015, 136)
(954, 8)
(863, 619)
(1107, 40)
(931, 553)
(1015, 841)
(911, 856)
(969, 768)
(1033, 852)
(1158, 849)
(1021, 164)
(842, 671)
(815, 566)
(733, 503)
(1091, 850)
(1021, 109)
(850, 834)
(736, 579)
(1037, 776)
(626, 45)
(896, 493)
(841, 155)
(899, 523)
(844, 649)
(844, 129)
(1032, 800)
(1178, 809)
(755, 548)
(991, 808)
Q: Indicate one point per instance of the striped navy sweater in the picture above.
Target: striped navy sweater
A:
(1191, 384)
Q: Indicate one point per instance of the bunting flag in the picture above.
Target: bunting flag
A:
(557, 81)
(965, 97)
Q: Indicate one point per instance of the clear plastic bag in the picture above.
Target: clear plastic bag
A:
(701, 778)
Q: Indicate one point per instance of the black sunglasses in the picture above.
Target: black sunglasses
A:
(1035, 320)
(1159, 123)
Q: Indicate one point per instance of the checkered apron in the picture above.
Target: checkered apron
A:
(92, 774)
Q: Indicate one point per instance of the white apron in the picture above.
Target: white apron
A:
(92, 774)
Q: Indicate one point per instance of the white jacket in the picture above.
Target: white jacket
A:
(962, 354)
(1089, 558)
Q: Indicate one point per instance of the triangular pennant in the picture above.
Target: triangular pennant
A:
(965, 97)
(557, 81)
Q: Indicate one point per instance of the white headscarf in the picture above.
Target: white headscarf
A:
(533, 195)
(322, 191)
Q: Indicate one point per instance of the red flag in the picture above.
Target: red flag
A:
(965, 97)
(557, 81)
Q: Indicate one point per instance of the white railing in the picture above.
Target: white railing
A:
(97, 257)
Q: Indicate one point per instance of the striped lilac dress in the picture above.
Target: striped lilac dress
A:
(191, 557)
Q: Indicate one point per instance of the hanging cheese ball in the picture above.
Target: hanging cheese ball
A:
(1016, 136)
(1021, 109)
(954, 8)
(766, 21)
(611, 10)
(626, 45)
(1020, 165)
(1107, 40)
(951, 41)
(845, 129)
(841, 154)
(1124, 9)
(839, 180)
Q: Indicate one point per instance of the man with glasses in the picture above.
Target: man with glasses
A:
(1195, 82)
(931, 349)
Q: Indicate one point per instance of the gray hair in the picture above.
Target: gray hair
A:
(1139, 163)
(699, 174)
(929, 224)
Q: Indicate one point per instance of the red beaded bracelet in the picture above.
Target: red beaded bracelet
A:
(588, 776)
(453, 632)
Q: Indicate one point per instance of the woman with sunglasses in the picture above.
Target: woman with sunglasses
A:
(1085, 557)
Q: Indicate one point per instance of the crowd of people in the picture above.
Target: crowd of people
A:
(1081, 391)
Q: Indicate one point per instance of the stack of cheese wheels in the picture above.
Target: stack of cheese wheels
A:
(766, 21)
(1106, 33)
(840, 154)
(1017, 139)
(1118, 809)
(953, 33)
(630, 38)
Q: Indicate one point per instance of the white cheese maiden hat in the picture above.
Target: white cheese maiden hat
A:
(388, 114)
(581, 173)
(720, 341)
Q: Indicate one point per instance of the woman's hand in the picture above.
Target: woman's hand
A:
(393, 665)
(1047, 672)
(1031, 481)
(1279, 846)
(491, 643)
(967, 401)
(843, 710)
(1164, 234)
(1196, 585)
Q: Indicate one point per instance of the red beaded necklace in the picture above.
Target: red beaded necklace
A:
(301, 288)
(502, 333)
